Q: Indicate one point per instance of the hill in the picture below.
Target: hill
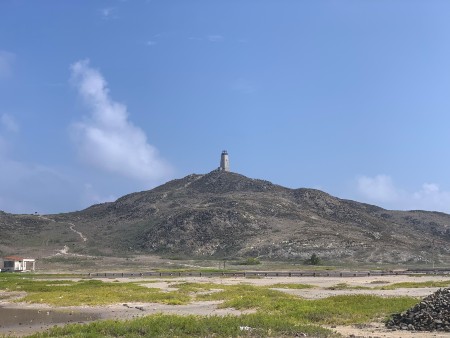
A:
(223, 214)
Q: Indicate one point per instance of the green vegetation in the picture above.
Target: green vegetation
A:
(426, 284)
(274, 313)
(249, 261)
(291, 286)
(189, 326)
(313, 260)
(345, 286)
(333, 310)
(379, 282)
(78, 261)
(277, 314)
(87, 292)
(187, 287)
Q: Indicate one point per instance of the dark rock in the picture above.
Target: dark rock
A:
(431, 314)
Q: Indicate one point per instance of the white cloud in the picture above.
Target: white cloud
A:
(155, 38)
(91, 196)
(207, 38)
(109, 13)
(215, 38)
(9, 123)
(431, 197)
(107, 139)
(381, 189)
(6, 63)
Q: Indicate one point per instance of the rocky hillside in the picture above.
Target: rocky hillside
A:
(224, 214)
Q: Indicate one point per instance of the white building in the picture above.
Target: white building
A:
(19, 264)
(224, 161)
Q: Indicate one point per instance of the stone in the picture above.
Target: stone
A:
(431, 314)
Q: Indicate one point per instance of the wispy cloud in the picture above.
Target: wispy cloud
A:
(26, 188)
(207, 38)
(381, 189)
(431, 197)
(91, 196)
(32, 187)
(215, 38)
(107, 139)
(9, 123)
(155, 39)
(6, 63)
(109, 13)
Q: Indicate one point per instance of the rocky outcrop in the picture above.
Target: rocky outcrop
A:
(224, 214)
(431, 314)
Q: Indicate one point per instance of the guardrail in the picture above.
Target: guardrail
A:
(250, 274)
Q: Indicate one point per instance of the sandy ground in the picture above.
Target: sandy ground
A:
(133, 310)
(79, 314)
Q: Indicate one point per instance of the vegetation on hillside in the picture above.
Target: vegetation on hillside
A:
(226, 215)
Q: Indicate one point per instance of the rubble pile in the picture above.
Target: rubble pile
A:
(431, 314)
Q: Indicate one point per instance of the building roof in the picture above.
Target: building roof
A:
(13, 258)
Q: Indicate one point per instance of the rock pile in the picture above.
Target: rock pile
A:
(431, 314)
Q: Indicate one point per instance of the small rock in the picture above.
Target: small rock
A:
(431, 314)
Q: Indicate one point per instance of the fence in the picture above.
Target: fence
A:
(255, 274)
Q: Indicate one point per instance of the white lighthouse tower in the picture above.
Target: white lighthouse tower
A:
(224, 161)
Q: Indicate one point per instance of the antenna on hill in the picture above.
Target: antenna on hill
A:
(224, 161)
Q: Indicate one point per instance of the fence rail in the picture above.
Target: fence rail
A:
(250, 274)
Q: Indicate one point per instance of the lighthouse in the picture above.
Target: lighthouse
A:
(224, 161)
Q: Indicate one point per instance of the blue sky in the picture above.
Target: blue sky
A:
(102, 98)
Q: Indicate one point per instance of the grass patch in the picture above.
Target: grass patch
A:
(345, 286)
(36, 276)
(88, 292)
(290, 286)
(190, 326)
(426, 284)
(249, 261)
(81, 261)
(277, 314)
(333, 310)
(6, 296)
(338, 310)
(187, 287)
(352, 309)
